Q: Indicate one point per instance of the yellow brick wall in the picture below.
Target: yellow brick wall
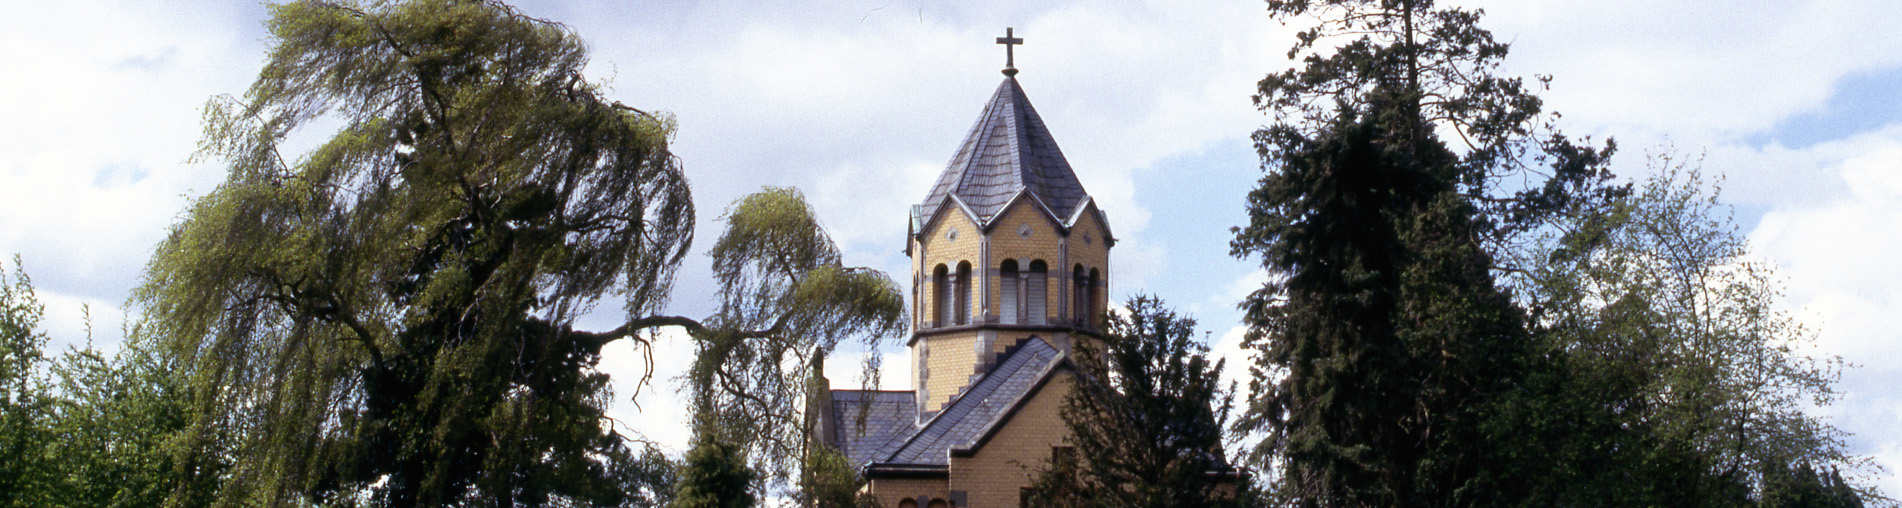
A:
(889, 491)
(1042, 244)
(1091, 254)
(992, 479)
(1006, 339)
(935, 249)
(1001, 468)
(951, 359)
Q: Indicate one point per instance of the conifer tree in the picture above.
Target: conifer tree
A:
(1146, 418)
(1386, 345)
(715, 474)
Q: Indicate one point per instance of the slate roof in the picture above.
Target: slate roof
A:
(890, 417)
(1007, 152)
(966, 419)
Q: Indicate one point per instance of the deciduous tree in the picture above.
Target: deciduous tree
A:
(117, 418)
(786, 303)
(26, 472)
(388, 320)
(1655, 305)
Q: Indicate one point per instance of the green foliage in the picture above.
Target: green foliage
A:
(651, 478)
(1670, 327)
(26, 469)
(118, 420)
(715, 474)
(787, 303)
(1416, 71)
(828, 480)
(1641, 364)
(1388, 352)
(1805, 487)
(1146, 418)
(386, 321)
(1389, 338)
(82, 429)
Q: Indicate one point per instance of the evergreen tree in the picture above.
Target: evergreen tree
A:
(715, 474)
(1146, 418)
(1387, 348)
(1396, 372)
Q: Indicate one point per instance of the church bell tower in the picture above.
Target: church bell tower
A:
(1006, 247)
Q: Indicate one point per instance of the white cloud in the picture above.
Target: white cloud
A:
(1694, 70)
(101, 107)
(1228, 347)
(1836, 256)
(846, 370)
(861, 103)
(658, 411)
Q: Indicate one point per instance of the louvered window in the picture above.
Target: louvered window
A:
(1036, 294)
(964, 293)
(941, 284)
(1079, 291)
(1008, 282)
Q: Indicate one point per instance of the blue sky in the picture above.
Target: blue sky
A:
(860, 103)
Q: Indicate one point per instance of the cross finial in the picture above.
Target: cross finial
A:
(1010, 59)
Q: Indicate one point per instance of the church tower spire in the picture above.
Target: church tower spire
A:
(1006, 247)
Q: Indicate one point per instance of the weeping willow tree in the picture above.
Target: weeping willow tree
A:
(388, 319)
(787, 303)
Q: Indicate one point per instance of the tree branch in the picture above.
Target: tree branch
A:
(693, 327)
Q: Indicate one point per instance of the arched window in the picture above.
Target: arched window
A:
(1079, 291)
(941, 297)
(939, 503)
(907, 503)
(1036, 293)
(964, 292)
(1092, 303)
(1009, 283)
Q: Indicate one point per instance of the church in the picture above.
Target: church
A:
(1010, 267)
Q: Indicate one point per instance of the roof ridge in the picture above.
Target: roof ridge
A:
(990, 428)
(944, 422)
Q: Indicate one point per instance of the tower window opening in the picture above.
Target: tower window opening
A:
(964, 293)
(1010, 283)
(1093, 302)
(941, 285)
(1079, 293)
(1036, 294)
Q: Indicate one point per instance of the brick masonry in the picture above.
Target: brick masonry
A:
(990, 206)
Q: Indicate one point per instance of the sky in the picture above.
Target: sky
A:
(861, 103)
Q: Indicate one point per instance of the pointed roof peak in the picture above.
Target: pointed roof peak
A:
(1009, 150)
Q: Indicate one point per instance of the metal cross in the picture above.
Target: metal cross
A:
(1010, 59)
